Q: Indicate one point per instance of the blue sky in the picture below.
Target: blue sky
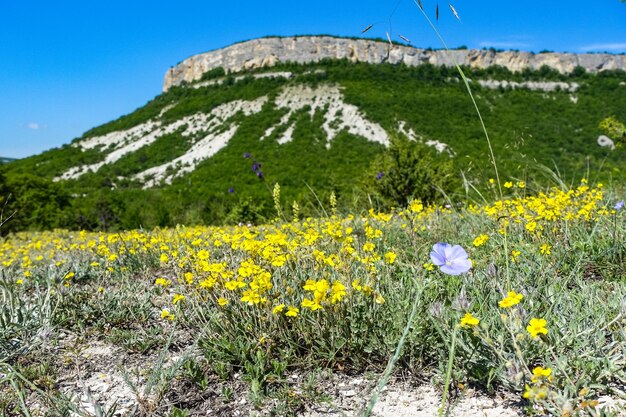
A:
(68, 66)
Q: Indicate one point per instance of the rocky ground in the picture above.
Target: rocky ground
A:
(102, 379)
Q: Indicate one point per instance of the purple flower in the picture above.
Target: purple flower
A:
(450, 259)
(380, 175)
(619, 205)
(259, 174)
(247, 155)
(231, 190)
(256, 167)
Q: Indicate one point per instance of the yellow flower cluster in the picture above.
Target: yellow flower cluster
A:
(536, 212)
(540, 388)
(481, 240)
(537, 327)
(469, 320)
(323, 293)
(313, 264)
(511, 299)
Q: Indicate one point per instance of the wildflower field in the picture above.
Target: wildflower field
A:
(530, 302)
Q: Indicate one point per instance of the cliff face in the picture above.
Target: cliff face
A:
(269, 51)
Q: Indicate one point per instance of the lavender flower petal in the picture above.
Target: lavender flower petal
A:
(452, 260)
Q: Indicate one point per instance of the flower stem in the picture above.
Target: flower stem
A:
(392, 361)
(446, 384)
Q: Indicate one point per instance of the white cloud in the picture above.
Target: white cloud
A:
(33, 125)
(504, 44)
(615, 46)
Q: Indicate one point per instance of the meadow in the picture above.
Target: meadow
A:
(219, 315)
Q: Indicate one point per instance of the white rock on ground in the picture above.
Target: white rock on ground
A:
(411, 135)
(423, 401)
(606, 142)
(547, 86)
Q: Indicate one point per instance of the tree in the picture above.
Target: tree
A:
(38, 203)
(614, 128)
(410, 170)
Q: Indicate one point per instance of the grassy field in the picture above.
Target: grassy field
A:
(217, 315)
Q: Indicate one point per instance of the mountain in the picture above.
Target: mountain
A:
(4, 160)
(268, 51)
(318, 114)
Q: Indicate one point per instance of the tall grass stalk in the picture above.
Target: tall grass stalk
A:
(492, 155)
(401, 342)
(61, 405)
(392, 361)
(446, 386)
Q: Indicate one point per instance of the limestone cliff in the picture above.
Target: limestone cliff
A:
(269, 51)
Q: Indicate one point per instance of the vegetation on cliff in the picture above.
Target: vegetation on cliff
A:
(559, 131)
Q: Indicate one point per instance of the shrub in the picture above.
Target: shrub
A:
(411, 170)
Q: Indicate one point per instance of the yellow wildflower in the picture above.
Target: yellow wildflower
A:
(481, 240)
(279, 308)
(252, 297)
(537, 327)
(338, 291)
(390, 258)
(312, 304)
(540, 373)
(202, 255)
(233, 285)
(469, 320)
(222, 301)
(511, 299)
(178, 298)
(416, 206)
(545, 249)
(162, 282)
(165, 314)
(508, 184)
(589, 404)
(536, 392)
(292, 311)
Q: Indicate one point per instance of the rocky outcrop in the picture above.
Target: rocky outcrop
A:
(547, 86)
(302, 49)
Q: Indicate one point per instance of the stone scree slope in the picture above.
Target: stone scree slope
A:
(303, 49)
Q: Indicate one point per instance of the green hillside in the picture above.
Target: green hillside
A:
(528, 128)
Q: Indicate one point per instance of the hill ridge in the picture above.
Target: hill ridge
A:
(264, 52)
